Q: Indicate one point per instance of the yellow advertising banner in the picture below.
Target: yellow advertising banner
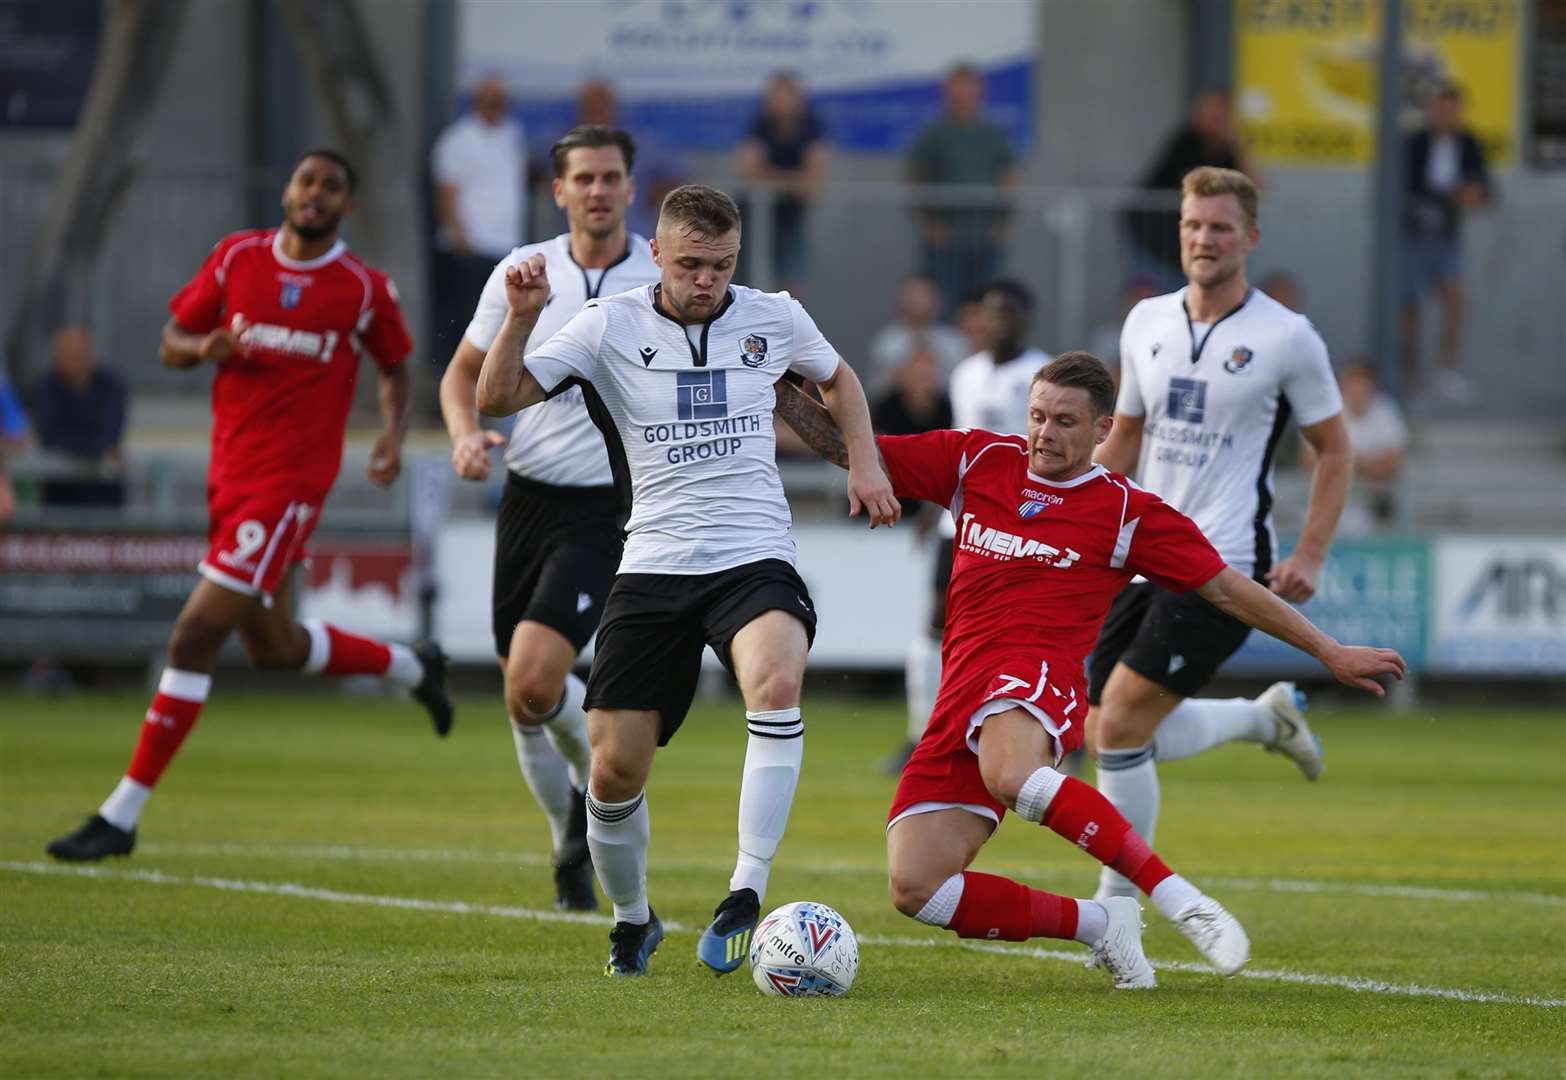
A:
(1307, 75)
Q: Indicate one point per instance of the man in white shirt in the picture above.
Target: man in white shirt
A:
(917, 324)
(557, 536)
(479, 168)
(680, 376)
(989, 391)
(1210, 376)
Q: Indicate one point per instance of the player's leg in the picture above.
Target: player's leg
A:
(275, 640)
(922, 669)
(549, 728)
(209, 616)
(619, 829)
(644, 676)
(1275, 719)
(1014, 754)
(767, 656)
(1121, 729)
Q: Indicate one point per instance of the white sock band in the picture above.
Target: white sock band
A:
(320, 646)
(1092, 922)
(122, 808)
(185, 685)
(406, 669)
(1037, 792)
(941, 908)
(617, 835)
(1172, 894)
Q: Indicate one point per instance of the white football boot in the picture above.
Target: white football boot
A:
(1294, 739)
(1217, 935)
(1119, 951)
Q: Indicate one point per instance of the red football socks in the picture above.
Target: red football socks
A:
(996, 907)
(169, 719)
(350, 654)
(1081, 814)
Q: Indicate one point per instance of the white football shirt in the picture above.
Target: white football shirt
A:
(1216, 401)
(691, 414)
(557, 442)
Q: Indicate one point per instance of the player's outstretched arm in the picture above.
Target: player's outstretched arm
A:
(868, 485)
(811, 422)
(1353, 665)
(504, 383)
(1295, 578)
(180, 348)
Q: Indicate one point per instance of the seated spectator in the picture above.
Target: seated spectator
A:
(1285, 288)
(787, 148)
(917, 322)
(79, 414)
(916, 403)
(1379, 439)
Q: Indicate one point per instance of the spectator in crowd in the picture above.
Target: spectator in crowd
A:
(1379, 440)
(786, 148)
(1104, 339)
(972, 324)
(1285, 288)
(963, 244)
(659, 170)
(13, 433)
(79, 414)
(917, 401)
(1207, 137)
(917, 324)
(479, 167)
(1444, 177)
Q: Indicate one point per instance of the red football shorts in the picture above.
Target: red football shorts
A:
(943, 772)
(253, 537)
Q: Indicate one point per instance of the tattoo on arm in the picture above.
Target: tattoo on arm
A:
(811, 422)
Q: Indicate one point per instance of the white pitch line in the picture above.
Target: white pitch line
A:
(349, 852)
(460, 907)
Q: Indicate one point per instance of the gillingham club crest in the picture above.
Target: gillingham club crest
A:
(753, 350)
(288, 298)
(1239, 360)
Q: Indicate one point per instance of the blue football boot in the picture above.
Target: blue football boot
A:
(725, 943)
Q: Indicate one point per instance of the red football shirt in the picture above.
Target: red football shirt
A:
(280, 404)
(1036, 564)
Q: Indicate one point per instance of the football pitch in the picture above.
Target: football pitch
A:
(322, 888)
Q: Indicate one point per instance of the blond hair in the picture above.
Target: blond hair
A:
(1208, 180)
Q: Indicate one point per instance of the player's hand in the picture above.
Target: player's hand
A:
(470, 453)
(1356, 666)
(527, 286)
(1294, 579)
(870, 490)
(385, 460)
(219, 345)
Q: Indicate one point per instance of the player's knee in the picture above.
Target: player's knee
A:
(1004, 780)
(531, 691)
(910, 891)
(193, 640)
(1117, 728)
(778, 688)
(270, 652)
(616, 775)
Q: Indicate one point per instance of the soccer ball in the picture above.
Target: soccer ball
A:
(804, 949)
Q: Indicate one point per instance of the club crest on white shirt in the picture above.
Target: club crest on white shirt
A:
(753, 350)
(1239, 360)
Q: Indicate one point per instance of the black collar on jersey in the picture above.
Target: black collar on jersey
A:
(588, 287)
(1197, 347)
(698, 356)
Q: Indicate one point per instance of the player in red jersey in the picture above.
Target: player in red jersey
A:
(284, 314)
(1045, 540)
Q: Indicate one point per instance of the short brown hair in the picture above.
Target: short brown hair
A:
(1081, 371)
(591, 137)
(1208, 180)
(699, 210)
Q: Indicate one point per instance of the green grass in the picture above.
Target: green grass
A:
(118, 976)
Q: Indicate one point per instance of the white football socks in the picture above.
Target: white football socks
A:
(772, 758)
(617, 836)
(1092, 922)
(1199, 724)
(566, 727)
(548, 777)
(922, 678)
(122, 808)
(1129, 780)
(1170, 895)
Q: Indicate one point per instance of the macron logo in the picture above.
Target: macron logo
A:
(583, 602)
(647, 356)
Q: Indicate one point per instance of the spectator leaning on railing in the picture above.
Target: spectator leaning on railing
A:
(787, 147)
(963, 245)
(79, 412)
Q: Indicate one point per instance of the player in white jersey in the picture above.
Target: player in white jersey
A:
(1210, 376)
(989, 392)
(557, 536)
(681, 375)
